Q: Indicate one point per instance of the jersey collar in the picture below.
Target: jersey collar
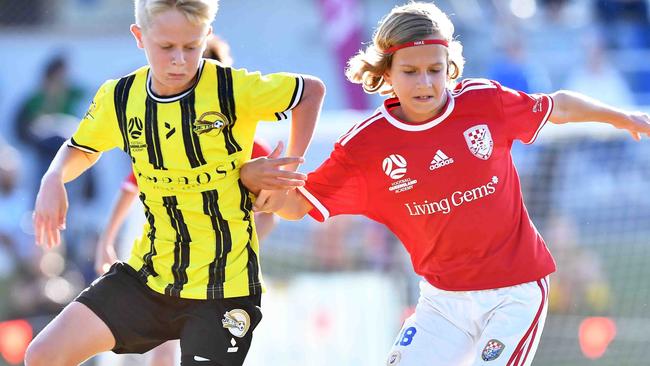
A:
(406, 126)
(175, 97)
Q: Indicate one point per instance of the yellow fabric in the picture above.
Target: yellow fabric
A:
(185, 154)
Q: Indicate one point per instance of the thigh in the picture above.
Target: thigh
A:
(138, 317)
(512, 334)
(429, 338)
(219, 332)
(73, 336)
(164, 355)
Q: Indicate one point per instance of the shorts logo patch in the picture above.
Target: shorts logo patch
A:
(394, 358)
(237, 321)
(492, 350)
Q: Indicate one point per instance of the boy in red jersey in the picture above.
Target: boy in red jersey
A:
(433, 164)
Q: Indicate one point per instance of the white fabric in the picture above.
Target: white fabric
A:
(454, 327)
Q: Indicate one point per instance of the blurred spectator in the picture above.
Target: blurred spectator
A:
(47, 116)
(512, 68)
(624, 23)
(597, 77)
(582, 286)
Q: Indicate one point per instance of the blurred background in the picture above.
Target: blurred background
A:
(339, 291)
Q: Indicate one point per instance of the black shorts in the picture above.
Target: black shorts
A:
(141, 319)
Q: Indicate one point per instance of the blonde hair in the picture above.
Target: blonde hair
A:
(199, 12)
(406, 23)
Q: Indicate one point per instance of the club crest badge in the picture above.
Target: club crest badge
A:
(211, 123)
(492, 350)
(237, 321)
(479, 141)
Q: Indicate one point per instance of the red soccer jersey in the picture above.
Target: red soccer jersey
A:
(447, 187)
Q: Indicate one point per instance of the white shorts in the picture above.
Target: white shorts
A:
(499, 327)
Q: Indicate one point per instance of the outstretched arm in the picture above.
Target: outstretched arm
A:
(575, 107)
(52, 201)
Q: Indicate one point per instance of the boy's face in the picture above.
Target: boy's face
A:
(418, 76)
(173, 47)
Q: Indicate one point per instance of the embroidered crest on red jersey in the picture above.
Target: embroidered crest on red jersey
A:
(492, 350)
(479, 141)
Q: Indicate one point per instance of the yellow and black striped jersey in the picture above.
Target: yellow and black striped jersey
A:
(199, 240)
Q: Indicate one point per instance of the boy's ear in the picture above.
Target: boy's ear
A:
(137, 34)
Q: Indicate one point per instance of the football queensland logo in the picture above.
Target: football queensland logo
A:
(211, 123)
(479, 141)
(135, 127)
(394, 166)
(237, 321)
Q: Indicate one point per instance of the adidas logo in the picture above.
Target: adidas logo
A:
(440, 160)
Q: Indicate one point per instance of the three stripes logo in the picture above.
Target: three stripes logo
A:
(440, 160)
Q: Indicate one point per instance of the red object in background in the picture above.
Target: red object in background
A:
(595, 334)
(15, 335)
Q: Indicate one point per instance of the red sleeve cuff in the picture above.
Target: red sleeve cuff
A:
(318, 212)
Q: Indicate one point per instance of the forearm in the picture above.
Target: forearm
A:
(570, 106)
(264, 223)
(304, 118)
(295, 206)
(69, 163)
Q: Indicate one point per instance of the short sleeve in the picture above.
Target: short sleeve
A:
(268, 97)
(99, 129)
(524, 114)
(337, 187)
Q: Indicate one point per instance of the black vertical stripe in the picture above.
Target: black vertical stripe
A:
(148, 267)
(181, 247)
(121, 97)
(223, 245)
(190, 138)
(246, 205)
(295, 92)
(151, 133)
(227, 105)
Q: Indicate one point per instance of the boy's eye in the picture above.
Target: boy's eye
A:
(409, 72)
(166, 47)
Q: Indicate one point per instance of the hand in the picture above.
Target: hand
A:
(270, 200)
(50, 211)
(266, 172)
(636, 124)
(105, 256)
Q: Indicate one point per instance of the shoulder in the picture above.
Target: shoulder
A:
(475, 86)
(111, 84)
(361, 132)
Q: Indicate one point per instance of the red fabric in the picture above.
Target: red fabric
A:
(417, 43)
(456, 203)
(260, 149)
(129, 183)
